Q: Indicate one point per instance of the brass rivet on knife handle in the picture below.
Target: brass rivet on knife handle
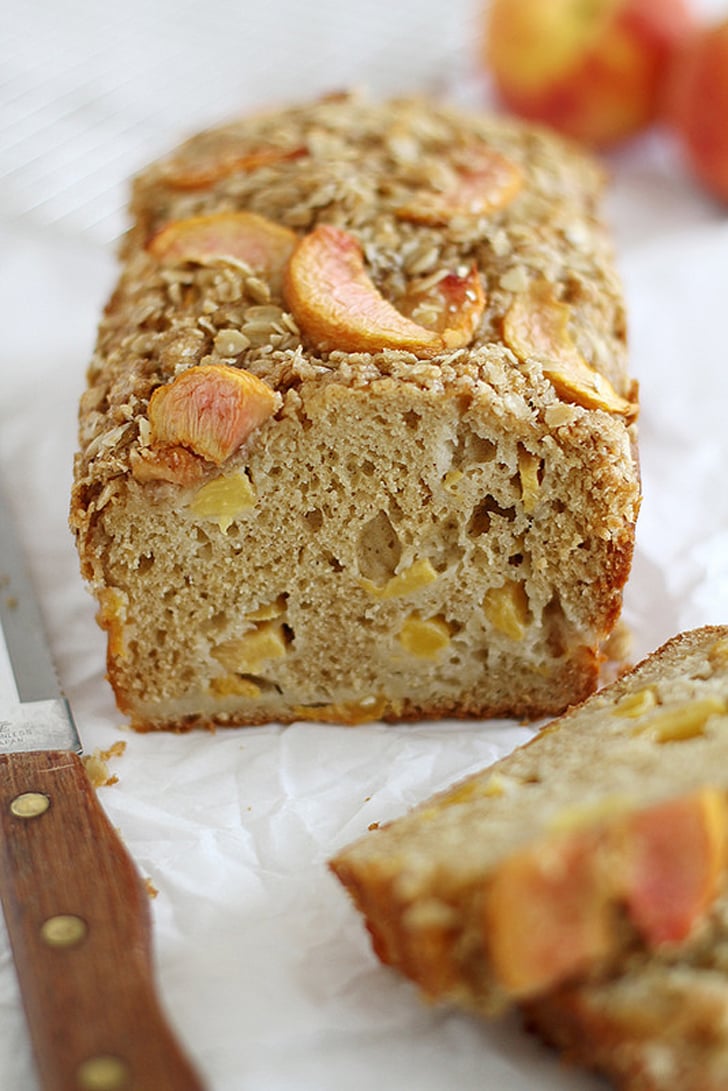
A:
(87, 978)
(103, 1074)
(64, 930)
(29, 805)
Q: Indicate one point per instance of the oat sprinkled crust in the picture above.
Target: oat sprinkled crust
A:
(400, 481)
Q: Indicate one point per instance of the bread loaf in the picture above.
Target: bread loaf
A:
(358, 439)
(603, 838)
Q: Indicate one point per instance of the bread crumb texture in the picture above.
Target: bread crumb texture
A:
(358, 437)
(577, 873)
(96, 765)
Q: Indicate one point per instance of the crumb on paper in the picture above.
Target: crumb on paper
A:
(150, 888)
(619, 643)
(617, 651)
(96, 766)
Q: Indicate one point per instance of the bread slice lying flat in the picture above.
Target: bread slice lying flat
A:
(603, 837)
(659, 1025)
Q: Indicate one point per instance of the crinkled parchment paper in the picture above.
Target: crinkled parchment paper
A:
(264, 966)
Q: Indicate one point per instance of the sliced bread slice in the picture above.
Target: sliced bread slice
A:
(604, 836)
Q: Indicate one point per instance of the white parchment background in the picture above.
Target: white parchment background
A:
(263, 965)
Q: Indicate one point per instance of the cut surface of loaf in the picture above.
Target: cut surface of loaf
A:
(603, 836)
(358, 439)
(659, 1025)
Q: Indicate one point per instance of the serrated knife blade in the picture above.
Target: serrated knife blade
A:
(76, 909)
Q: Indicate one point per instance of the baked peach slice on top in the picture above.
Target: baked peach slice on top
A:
(455, 304)
(205, 166)
(337, 306)
(211, 409)
(263, 245)
(486, 183)
(537, 325)
(205, 413)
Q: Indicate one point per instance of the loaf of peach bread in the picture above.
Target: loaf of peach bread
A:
(358, 440)
(601, 842)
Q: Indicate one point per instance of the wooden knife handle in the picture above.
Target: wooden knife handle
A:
(78, 919)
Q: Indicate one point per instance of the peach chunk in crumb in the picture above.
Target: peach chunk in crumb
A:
(537, 325)
(676, 856)
(263, 245)
(486, 183)
(210, 409)
(546, 915)
(553, 909)
(337, 306)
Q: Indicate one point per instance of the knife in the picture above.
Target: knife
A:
(76, 909)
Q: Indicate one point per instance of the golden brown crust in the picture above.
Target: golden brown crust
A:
(509, 476)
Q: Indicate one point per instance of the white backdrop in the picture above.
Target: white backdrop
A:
(263, 965)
